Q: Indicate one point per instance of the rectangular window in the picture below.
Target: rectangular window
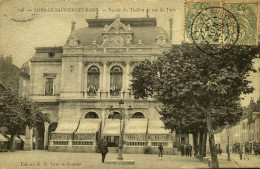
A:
(49, 86)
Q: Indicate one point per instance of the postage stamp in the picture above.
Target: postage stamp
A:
(215, 25)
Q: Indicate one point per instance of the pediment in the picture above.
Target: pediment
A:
(117, 34)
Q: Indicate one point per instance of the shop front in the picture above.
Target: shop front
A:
(87, 135)
(111, 133)
(158, 135)
(135, 136)
(61, 138)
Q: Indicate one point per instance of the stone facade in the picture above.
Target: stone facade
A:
(245, 133)
(88, 76)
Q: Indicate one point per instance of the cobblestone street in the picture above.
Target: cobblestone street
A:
(62, 160)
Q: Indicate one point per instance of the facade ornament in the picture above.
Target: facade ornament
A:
(129, 38)
(71, 68)
(161, 39)
(101, 63)
(73, 41)
(128, 27)
(117, 40)
(117, 34)
(132, 64)
(94, 44)
(124, 64)
(116, 26)
(104, 40)
(140, 43)
(105, 28)
(116, 50)
(108, 63)
(86, 64)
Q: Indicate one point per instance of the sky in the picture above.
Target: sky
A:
(40, 28)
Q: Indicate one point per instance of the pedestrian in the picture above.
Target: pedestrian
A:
(220, 151)
(103, 150)
(255, 150)
(240, 154)
(246, 153)
(182, 149)
(160, 147)
(187, 150)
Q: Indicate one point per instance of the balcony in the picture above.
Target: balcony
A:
(108, 95)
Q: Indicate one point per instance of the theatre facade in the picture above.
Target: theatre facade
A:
(84, 83)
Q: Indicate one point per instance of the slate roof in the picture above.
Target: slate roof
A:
(147, 34)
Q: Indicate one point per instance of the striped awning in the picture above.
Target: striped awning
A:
(112, 127)
(67, 125)
(15, 138)
(2, 138)
(22, 137)
(136, 126)
(88, 126)
(156, 127)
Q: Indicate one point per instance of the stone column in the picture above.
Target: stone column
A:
(36, 138)
(62, 87)
(191, 139)
(207, 144)
(28, 144)
(173, 139)
(46, 135)
(127, 80)
(191, 142)
(103, 116)
(80, 74)
(104, 80)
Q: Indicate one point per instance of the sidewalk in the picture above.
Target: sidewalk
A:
(223, 163)
(253, 162)
(67, 160)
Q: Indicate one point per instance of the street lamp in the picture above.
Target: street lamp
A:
(228, 158)
(121, 117)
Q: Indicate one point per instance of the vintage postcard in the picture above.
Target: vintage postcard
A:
(83, 84)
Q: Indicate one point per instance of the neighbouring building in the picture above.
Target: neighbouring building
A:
(18, 80)
(245, 133)
(81, 84)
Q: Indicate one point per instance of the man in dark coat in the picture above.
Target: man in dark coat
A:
(190, 150)
(103, 150)
(187, 150)
(160, 147)
(182, 149)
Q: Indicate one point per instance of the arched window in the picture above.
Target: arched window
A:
(93, 81)
(138, 115)
(115, 116)
(91, 115)
(116, 76)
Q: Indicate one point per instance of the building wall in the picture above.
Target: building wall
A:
(39, 72)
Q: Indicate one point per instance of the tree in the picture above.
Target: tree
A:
(197, 90)
(16, 113)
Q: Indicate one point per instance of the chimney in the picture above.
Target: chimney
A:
(171, 23)
(73, 23)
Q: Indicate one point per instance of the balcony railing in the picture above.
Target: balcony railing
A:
(109, 95)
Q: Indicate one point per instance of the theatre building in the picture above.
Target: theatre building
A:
(85, 83)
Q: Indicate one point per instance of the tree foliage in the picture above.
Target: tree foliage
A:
(187, 80)
(16, 112)
(198, 91)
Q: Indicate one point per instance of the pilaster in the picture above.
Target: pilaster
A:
(28, 145)
(46, 135)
